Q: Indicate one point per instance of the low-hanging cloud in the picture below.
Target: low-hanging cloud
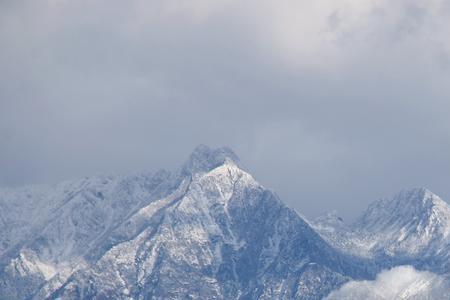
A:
(402, 282)
(335, 102)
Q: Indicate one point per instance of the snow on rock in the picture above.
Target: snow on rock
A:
(207, 231)
(413, 227)
(226, 232)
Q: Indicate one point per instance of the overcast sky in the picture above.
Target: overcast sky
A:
(332, 104)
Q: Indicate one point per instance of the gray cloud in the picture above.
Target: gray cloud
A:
(331, 104)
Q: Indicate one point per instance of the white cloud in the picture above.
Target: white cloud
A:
(402, 282)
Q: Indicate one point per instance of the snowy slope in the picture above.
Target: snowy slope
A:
(206, 231)
(160, 236)
(341, 235)
(411, 228)
(53, 230)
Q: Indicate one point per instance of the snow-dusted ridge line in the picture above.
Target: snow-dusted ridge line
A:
(413, 227)
(161, 235)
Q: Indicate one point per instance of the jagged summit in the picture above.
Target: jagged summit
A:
(419, 196)
(208, 230)
(406, 206)
(413, 224)
(204, 159)
(412, 227)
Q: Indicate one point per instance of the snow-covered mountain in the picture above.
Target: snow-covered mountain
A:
(48, 232)
(412, 228)
(206, 231)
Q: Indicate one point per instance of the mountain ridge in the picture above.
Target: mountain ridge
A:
(159, 235)
(412, 227)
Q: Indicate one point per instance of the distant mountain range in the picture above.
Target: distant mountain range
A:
(211, 231)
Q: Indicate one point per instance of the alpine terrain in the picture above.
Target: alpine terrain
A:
(211, 231)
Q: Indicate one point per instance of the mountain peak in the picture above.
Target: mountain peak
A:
(204, 159)
(415, 193)
(419, 197)
(413, 210)
(415, 199)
